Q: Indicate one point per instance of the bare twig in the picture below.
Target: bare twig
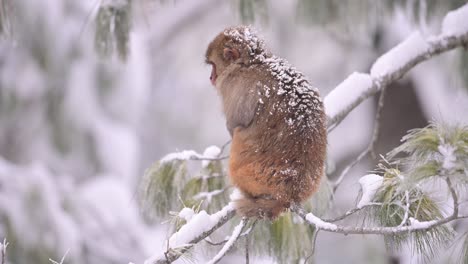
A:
(246, 233)
(209, 159)
(223, 147)
(371, 147)
(345, 171)
(3, 249)
(454, 196)
(394, 230)
(407, 208)
(62, 260)
(314, 242)
(230, 243)
(209, 195)
(375, 133)
(345, 215)
(247, 259)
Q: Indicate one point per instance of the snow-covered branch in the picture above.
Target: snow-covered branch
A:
(211, 153)
(330, 227)
(394, 64)
(414, 225)
(195, 230)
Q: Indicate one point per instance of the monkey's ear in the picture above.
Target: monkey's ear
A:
(231, 54)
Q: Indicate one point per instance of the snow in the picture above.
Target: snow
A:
(455, 22)
(400, 55)
(448, 156)
(114, 3)
(370, 184)
(236, 195)
(118, 148)
(415, 224)
(198, 224)
(210, 152)
(186, 213)
(32, 193)
(207, 195)
(183, 155)
(235, 234)
(319, 223)
(347, 91)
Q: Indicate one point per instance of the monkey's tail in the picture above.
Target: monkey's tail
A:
(260, 207)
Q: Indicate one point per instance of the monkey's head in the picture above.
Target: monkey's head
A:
(236, 45)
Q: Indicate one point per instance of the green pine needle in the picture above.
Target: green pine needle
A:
(160, 187)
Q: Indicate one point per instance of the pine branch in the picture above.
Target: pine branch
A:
(414, 226)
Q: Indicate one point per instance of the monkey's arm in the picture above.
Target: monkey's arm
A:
(240, 109)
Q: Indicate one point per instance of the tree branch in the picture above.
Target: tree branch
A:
(370, 147)
(330, 227)
(236, 233)
(435, 46)
(207, 228)
(246, 233)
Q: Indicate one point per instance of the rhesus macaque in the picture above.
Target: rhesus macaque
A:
(276, 120)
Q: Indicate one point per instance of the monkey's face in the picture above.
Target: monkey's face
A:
(220, 55)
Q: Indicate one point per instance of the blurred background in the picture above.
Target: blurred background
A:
(92, 92)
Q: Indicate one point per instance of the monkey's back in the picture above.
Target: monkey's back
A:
(281, 154)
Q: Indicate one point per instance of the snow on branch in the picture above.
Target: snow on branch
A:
(414, 225)
(199, 226)
(353, 87)
(211, 153)
(330, 227)
(394, 64)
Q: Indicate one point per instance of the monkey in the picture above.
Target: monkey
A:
(276, 120)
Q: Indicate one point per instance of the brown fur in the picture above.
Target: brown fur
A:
(278, 148)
